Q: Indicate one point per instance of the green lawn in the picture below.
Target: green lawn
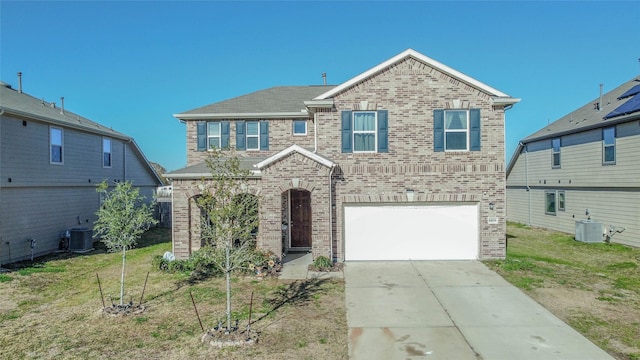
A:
(595, 288)
(52, 309)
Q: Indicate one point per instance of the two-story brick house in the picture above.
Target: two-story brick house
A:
(404, 161)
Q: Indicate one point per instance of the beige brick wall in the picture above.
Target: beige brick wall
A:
(280, 137)
(410, 91)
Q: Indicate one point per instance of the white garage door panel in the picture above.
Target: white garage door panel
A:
(411, 232)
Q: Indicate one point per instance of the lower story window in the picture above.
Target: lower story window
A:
(550, 202)
(561, 201)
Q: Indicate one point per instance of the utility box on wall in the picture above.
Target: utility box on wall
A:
(588, 231)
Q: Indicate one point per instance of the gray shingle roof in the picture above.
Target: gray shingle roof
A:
(201, 169)
(26, 105)
(273, 100)
(588, 116)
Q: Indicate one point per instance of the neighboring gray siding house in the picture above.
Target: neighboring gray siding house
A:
(404, 161)
(51, 161)
(588, 159)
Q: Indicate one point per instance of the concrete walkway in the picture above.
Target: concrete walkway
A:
(450, 310)
(295, 266)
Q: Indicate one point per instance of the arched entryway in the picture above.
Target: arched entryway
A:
(296, 220)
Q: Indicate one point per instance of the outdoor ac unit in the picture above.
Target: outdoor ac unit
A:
(80, 240)
(589, 231)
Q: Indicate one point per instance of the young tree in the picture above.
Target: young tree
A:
(229, 215)
(122, 219)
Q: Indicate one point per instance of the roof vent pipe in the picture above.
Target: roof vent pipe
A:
(600, 103)
(324, 78)
(62, 105)
(20, 82)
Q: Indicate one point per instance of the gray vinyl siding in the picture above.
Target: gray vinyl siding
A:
(610, 192)
(618, 208)
(39, 199)
(42, 213)
(581, 165)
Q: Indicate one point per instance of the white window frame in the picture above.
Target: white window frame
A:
(554, 153)
(213, 137)
(105, 151)
(52, 144)
(546, 202)
(252, 136)
(605, 146)
(294, 127)
(448, 131)
(561, 200)
(374, 131)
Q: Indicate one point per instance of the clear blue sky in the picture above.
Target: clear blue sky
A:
(132, 65)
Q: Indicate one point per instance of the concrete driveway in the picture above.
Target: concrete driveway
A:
(450, 310)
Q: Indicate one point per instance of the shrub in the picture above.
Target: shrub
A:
(322, 262)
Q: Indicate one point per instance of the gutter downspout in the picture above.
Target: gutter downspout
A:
(315, 132)
(331, 212)
(526, 178)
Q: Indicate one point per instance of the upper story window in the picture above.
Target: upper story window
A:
(106, 152)
(212, 134)
(456, 130)
(252, 135)
(365, 131)
(555, 153)
(299, 127)
(56, 142)
(609, 145)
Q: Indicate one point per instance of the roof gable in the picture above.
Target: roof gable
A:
(410, 53)
(295, 149)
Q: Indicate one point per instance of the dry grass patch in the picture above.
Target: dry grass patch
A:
(57, 314)
(595, 288)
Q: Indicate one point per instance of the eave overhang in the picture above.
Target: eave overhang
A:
(255, 174)
(221, 116)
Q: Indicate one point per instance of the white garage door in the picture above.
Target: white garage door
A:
(429, 232)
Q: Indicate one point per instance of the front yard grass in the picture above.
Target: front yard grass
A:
(51, 310)
(595, 288)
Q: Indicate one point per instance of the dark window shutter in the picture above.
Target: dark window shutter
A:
(383, 131)
(240, 136)
(347, 133)
(225, 132)
(474, 129)
(438, 130)
(202, 136)
(264, 135)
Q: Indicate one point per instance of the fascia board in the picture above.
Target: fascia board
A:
(505, 101)
(209, 116)
(191, 176)
(325, 103)
(65, 124)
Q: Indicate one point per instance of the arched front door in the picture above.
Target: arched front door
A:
(300, 218)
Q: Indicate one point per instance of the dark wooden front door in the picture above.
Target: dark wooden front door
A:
(300, 218)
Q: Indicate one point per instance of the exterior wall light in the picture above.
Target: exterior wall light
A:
(491, 206)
